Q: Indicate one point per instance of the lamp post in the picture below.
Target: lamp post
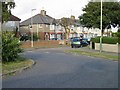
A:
(32, 27)
(101, 29)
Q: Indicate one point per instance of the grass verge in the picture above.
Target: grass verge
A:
(94, 54)
(48, 47)
(11, 66)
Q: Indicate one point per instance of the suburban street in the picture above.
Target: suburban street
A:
(56, 69)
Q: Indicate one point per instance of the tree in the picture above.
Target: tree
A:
(6, 10)
(91, 16)
(66, 23)
(10, 44)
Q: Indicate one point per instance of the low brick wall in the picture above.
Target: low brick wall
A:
(40, 44)
(108, 47)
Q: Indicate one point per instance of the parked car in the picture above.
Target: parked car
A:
(87, 39)
(54, 39)
(78, 42)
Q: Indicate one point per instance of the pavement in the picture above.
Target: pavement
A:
(87, 49)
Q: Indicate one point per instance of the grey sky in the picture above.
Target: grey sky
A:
(54, 8)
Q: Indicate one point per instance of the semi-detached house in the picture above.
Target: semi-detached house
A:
(47, 27)
(43, 25)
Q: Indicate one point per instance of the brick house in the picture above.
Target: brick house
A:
(44, 26)
(47, 27)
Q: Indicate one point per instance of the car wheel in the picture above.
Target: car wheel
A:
(81, 46)
(72, 46)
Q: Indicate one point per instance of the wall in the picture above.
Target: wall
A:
(108, 47)
(36, 27)
(40, 44)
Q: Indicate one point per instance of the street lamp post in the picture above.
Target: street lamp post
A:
(101, 29)
(32, 27)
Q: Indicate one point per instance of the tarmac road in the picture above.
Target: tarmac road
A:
(56, 69)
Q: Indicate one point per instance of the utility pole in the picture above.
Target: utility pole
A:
(32, 27)
(101, 29)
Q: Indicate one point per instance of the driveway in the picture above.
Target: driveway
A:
(56, 69)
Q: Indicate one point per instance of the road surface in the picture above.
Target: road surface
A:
(56, 69)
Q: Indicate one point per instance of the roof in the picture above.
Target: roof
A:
(39, 19)
(13, 18)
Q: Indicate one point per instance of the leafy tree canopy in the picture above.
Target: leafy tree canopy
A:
(6, 10)
(92, 14)
(66, 23)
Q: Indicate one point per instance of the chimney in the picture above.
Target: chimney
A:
(72, 17)
(43, 12)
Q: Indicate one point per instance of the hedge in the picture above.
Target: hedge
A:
(107, 40)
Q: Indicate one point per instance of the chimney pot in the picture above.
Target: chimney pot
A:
(72, 17)
(43, 12)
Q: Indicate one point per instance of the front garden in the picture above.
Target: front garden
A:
(10, 50)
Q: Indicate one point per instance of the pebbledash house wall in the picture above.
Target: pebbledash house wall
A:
(11, 25)
(41, 29)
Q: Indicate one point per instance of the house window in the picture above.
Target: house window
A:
(52, 27)
(46, 25)
(40, 25)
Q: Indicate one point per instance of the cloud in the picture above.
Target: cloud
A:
(54, 8)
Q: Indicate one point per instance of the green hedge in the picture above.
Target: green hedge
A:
(117, 34)
(107, 40)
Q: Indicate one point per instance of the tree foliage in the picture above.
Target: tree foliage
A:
(10, 47)
(66, 23)
(6, 10)
(92, 14)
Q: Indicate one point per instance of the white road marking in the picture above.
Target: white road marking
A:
(47, 52)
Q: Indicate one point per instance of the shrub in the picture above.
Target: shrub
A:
(28, 37)
(114, 34)
(117, 34)
(24, 38)
(35, 37)
(107, 40)
(10, 47)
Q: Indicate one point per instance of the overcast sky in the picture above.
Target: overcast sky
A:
(54, 8)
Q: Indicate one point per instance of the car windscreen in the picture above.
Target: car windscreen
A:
(76, 40)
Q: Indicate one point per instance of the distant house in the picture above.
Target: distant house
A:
(44, 26)
(75, 27)
(12, 24)
(47, 27)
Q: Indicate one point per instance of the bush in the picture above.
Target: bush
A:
(117, 34)
(10, 47)
(28, 37)
(35, 37)
(24, 38)
(107, 40)
(114, 34)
